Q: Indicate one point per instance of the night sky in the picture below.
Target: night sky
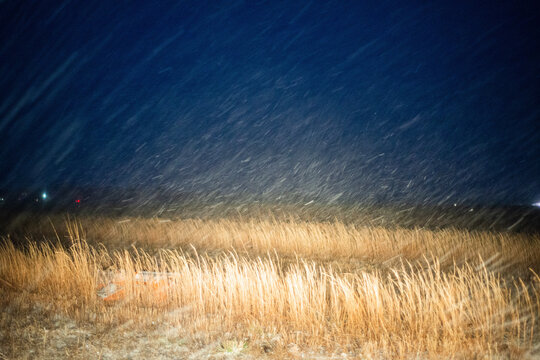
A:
(426, 102)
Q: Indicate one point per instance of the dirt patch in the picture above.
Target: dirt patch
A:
(38, 332)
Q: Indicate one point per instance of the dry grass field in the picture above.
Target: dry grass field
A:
(266, 288)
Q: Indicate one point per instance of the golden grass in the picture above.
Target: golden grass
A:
(507, 253)
(410, 306)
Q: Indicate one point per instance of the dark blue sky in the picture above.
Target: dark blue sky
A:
(415, 102)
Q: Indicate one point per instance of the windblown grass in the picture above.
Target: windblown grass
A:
(506, 253)
(415, 307)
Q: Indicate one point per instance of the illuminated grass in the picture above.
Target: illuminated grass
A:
(334, 241)
(402, 310)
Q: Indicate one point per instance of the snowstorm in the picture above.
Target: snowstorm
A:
(226, 130)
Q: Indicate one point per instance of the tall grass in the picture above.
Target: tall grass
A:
(411, 308)
(331, 241)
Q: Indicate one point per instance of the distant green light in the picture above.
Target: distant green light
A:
(44, 195)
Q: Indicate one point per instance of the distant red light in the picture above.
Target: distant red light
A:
(78, 201)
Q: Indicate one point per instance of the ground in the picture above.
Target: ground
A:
(38, 332)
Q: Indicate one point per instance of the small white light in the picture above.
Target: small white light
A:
(537, 204)
(44, 195)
